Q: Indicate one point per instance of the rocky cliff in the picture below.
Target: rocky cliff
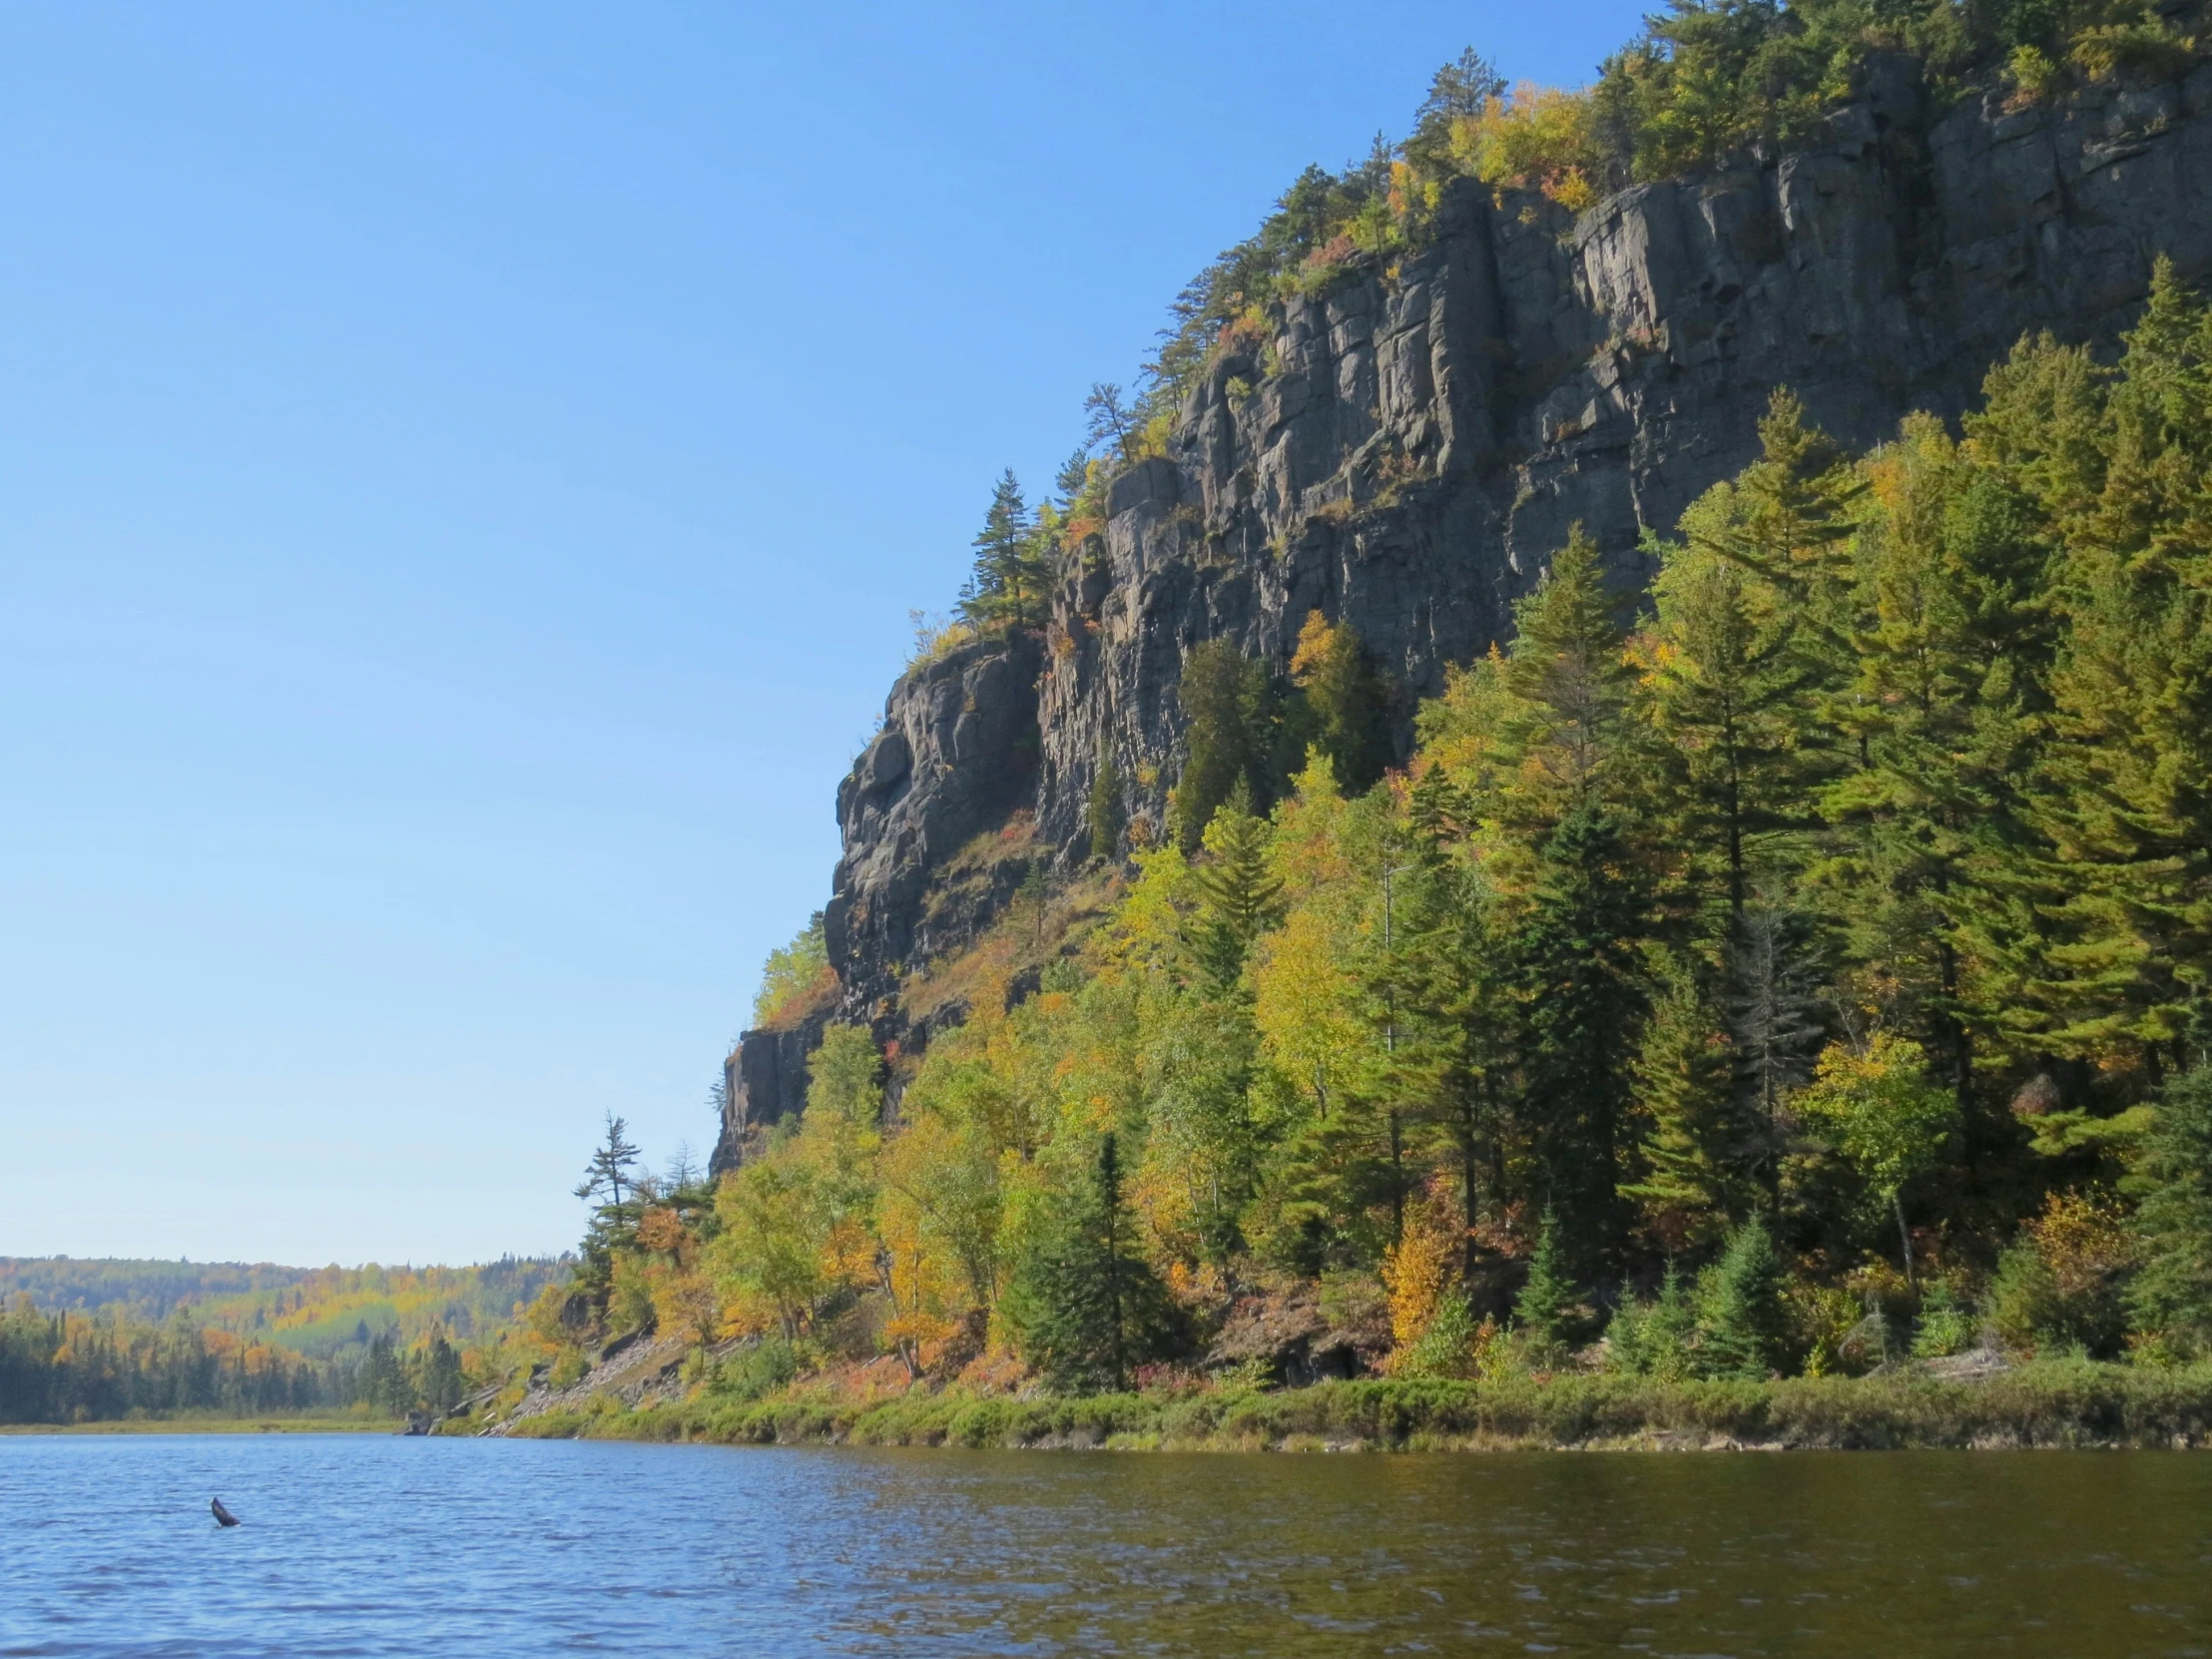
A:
(1412, 445)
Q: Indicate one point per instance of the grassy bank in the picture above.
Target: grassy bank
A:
(2054, 1404)
(208, 1423)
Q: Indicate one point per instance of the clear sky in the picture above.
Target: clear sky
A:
(464, 472)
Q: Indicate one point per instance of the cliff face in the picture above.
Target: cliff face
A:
(1411, 446)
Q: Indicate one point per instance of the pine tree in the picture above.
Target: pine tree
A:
(1788, 519)
(1743, 1325)
(1090, 1305)
(608, 1174)
(1568, 670)
(1655, 1338)
(1104, 815)
(1951, 663)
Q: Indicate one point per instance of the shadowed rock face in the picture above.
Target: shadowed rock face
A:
(1410, 447)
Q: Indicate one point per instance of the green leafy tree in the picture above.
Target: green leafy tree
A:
(1885, 1117)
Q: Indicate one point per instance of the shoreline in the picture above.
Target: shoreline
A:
(2068, 1404)
(212, 1426)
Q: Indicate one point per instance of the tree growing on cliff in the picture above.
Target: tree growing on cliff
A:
(607, 1175)
(1006, 586)
(1346, 702)
(1230, 737)
(1104, 815)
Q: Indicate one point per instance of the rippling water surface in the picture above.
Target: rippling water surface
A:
(369, 1545)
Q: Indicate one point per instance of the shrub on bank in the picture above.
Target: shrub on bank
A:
(2047, 1404)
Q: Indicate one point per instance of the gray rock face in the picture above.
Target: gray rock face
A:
(1411, 447)
(763, 1081)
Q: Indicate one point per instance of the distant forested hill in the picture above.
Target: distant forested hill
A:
(312, 1311)
(148, 1288)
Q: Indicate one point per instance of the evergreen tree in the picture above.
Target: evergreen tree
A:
(1743, 1325)
(1346, 702)
(2129, 801)
(1229, 737)
(1007, 585)
(1107, 420)
(1091, 1307)
(1453, 1015)
(1545, 1312)
(2170, 1297)
(1725, 694)
(1571, 679)
(1655, 1338)
(1788, 519)
(1104, 815)
(1237, 893)
(1695, 1149)
(441, 1384)
(608, 1174)
(1578, 956)
(1073, 477)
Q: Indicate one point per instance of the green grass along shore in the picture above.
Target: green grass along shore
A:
(216, 1422)
(2048, 1403)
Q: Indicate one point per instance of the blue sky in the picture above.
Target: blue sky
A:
(465, 473)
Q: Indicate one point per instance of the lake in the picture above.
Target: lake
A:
(358, 1544)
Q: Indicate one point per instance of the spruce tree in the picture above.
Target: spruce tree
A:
(1579, 957)
(1545, 1311)
(1743, 1325)
(1229, 737)
(1237, 893)
(1572, 680)
(2127, 800)
(1091, 1308)
(1725, 696)
(1006, 587)
(2170, 1297)
(1694, 1151)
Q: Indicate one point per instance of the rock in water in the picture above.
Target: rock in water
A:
(223, 1516)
